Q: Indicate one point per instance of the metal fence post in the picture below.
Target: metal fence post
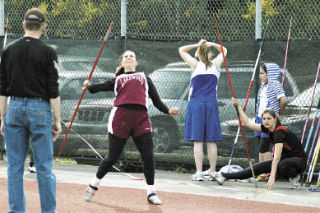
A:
(258, 37)
(1, 18)
(123, 24)
(258, 19)
(124, 18)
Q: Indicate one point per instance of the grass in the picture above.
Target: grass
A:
(64, 160)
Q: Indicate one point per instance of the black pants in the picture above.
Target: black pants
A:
(144, 144)
(287, 168)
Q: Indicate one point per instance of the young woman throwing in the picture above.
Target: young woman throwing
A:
(129, 117)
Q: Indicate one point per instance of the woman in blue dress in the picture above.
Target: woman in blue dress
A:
(202, 122)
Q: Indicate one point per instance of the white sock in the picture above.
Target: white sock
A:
(95, 181)
(151, 189)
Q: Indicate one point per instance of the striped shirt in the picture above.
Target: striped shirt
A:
(274, 88)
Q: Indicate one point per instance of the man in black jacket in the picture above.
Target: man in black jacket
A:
(28, 75)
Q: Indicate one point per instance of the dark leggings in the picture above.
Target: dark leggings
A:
(287, 168)
(116, 145)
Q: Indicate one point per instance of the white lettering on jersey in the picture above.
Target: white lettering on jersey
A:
(126, 78)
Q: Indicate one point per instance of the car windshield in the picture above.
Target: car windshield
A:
(304, 98)
(240, 82)
(75, 65)
(84, 65)
(170, 84)
(72, 89)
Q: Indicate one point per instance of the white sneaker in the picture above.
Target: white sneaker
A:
(154, 199)
(220, 179)
(32, 169)
(207, 175)
(90, 191)
(213, 174)
(198, 176)
(294, 182)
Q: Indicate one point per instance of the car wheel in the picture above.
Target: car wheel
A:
(165, 135)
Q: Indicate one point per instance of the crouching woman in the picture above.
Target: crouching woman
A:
(289, 158)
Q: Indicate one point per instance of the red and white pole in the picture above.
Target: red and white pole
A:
(84, 90)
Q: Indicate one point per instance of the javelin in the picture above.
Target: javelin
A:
(84, 90)
(249, 90)
(311, 129)
(6, 34)
(286, 54)
(100, 156)
(313, 163)
(233, 95)
(314, 142)
(311, 100)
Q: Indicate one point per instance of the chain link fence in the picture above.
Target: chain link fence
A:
(155, 29)
(170, 19)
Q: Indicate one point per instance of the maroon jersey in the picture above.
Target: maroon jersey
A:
(131, 89)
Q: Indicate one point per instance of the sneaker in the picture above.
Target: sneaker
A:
(198, 176)
(154, 199)
(213, 174)
(207, 176)
(32, 169)
(220, 179)
(294, 182)
(90, 191)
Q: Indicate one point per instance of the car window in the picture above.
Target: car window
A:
(85, 65)
(240, 82)
(72, 89)
(305, 97)
(170, 84)
(76, 66)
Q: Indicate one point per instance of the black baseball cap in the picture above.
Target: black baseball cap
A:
(35, 14)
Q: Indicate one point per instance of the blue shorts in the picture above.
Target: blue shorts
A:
(260, 134)
(202, 122)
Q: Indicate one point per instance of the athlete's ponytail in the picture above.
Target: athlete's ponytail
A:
(204, 54)
(119, 71)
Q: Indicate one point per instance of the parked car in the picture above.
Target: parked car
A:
(70, 88)
(172, 83)
(76, 63)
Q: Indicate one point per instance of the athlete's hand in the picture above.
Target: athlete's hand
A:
(174, 111)
(2, 127)
(270, 183)
(85, 84)
(235, 102)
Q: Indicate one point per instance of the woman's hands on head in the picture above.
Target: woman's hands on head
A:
(174, 111)
(201, 42)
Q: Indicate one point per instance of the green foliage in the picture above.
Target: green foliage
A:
(268, 9)
(87, 17)
(67, 18)
(182, 169)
